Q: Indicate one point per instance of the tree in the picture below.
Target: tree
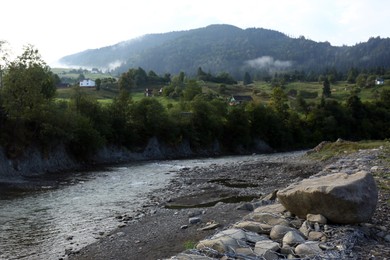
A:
(247, 79)
(4, 55)
(126, 81)
(98, 84)
(28, 87)
(279, 101)
(191, 90)
(326, 92)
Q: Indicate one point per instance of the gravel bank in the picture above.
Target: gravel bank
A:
(162, 229)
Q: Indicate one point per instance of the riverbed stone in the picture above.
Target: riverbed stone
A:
(315, 235)
(278, 231)
(308, 249)
(229, 240)
(267, 218)
(254, 226)
(194, 220)
(340, 197)
(317, 218)
(293, 238)
(266, 248)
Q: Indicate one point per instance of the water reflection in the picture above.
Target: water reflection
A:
(44, 224)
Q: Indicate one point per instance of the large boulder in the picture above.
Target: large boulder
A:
(340, 197)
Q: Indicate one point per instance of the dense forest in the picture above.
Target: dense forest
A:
(30, 114)
(225, 48)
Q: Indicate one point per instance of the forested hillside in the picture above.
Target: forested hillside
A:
(225, 48)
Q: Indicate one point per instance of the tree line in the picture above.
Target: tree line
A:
(30, 115)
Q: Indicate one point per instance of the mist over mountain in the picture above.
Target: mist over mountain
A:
(226, 48)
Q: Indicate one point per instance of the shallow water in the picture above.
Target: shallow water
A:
(45, 224)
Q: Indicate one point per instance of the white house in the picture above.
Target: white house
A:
(379, 81)
(87, 83)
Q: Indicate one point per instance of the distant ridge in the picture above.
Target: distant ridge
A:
(226, 48)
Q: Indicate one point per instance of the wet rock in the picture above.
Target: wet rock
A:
(340, 197)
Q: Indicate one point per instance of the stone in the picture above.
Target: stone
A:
(293, 238)
(194, 220)
(315, 235)
(210, 226)
(267, 218)
(246, 251)
(308, 249)
(305, 228)
(245, 206)
(287, 250)
(266, 247)
(184, 256)
(317, 218)
(254, 226)
(276, 208)
(195, 213)
(277, 232)
(387, 238)
(229, 240)
(341, 198)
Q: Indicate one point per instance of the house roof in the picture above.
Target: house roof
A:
(242, 98)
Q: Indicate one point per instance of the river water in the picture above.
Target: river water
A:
(44, 224)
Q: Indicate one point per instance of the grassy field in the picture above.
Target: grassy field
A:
(260, 90)
(65, 72)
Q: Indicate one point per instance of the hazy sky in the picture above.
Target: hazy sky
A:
(58, 27)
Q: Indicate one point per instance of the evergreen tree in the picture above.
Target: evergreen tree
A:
(326, 92)
(247, 79)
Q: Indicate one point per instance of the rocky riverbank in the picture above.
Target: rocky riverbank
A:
(181, 215)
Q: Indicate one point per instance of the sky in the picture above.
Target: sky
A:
(62, 27)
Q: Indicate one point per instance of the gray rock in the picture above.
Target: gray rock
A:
(305, 228)
(277, 232)
(267, 218)
(315, 235)
(245, 206)
(318, 218)
(293, 238)
(266, 247)
(340, 197)
(308, 249)
(224, 242)
(254, 226)
(194, 220)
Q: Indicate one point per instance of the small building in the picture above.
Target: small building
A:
(379, 81)
(87, 83)
(237, 100)
(148, 92)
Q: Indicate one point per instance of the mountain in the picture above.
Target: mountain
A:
(226, 48)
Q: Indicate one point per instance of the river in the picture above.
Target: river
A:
(82, 207)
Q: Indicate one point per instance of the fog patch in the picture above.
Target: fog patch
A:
(115, 64)
(268, 63)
